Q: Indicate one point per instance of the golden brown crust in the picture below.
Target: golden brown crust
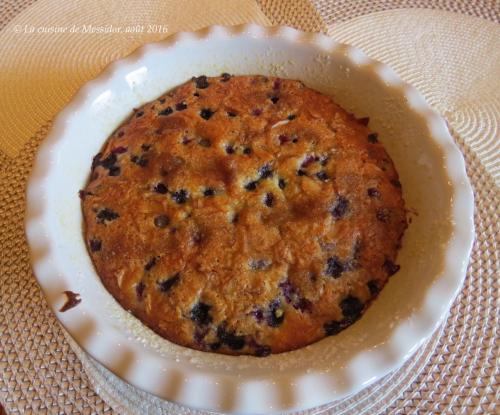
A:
(244, 215)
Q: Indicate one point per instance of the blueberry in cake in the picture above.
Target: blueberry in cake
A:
(244, 215)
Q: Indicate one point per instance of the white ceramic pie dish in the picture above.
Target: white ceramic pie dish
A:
(433, 260)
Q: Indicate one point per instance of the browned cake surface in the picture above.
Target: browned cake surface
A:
(244, 215)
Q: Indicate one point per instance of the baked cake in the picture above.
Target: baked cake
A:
(244, 215)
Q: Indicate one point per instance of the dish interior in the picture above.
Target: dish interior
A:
(405, 134)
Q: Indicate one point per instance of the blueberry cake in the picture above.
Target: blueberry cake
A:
(244, 215)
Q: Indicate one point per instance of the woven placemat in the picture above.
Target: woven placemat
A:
(42, 371)
(342, 10)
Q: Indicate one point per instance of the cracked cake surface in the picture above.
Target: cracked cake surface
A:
(244, 215)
